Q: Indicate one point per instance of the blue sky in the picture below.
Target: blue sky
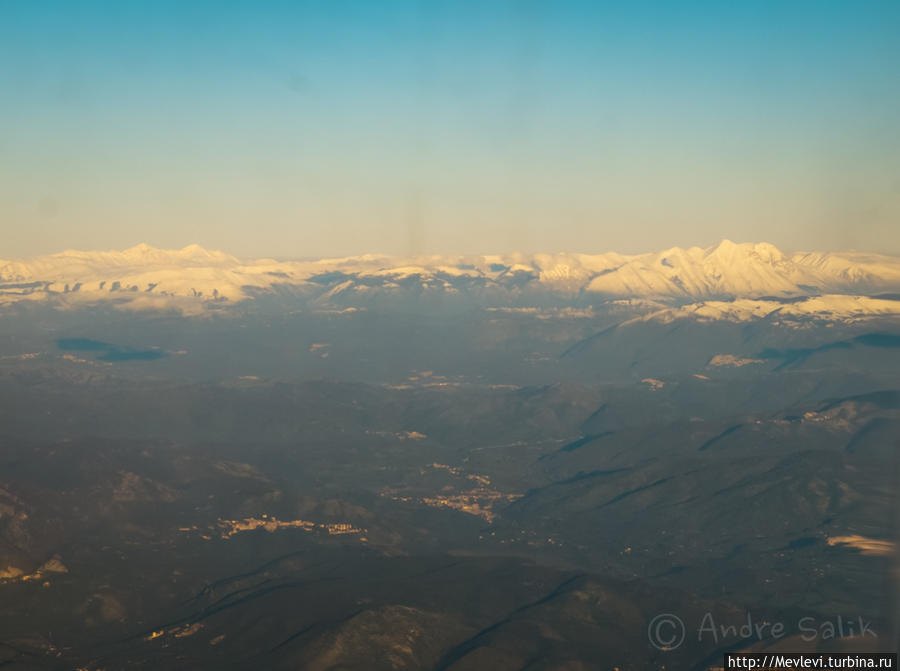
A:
(321, 128)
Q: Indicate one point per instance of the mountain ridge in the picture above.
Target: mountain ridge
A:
(725, 271)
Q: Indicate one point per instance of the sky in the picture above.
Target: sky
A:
(300, 129)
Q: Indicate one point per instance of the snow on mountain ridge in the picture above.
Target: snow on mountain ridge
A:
(829, 307)
(73, 263)
(726, 270)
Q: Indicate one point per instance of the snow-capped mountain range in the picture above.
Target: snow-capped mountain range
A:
(727, 279)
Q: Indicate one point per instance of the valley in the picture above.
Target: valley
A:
(446, 489)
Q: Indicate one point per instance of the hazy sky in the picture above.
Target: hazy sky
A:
(329, 127)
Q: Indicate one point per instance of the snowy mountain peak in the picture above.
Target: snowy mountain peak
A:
(726, 247)
(140, 248)
(744, 253)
